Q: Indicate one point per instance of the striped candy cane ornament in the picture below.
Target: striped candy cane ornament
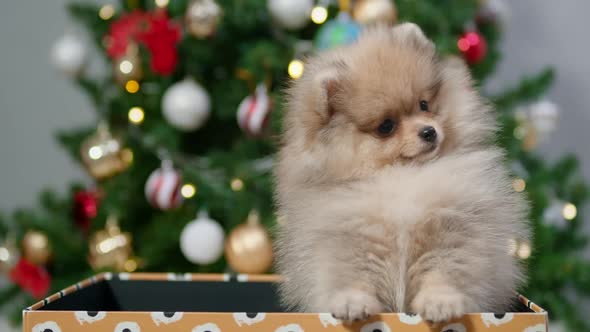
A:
(162, 189)
(253, 112)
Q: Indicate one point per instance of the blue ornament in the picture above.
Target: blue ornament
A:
(340, 31)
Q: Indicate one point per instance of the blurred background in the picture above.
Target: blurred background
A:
(37, 100)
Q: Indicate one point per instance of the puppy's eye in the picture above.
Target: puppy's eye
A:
(386, 128)
(423, 105)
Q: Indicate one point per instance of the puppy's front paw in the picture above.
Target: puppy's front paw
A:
(439, 303)
(352, 304)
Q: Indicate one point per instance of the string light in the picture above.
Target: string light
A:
(520, 132)
(519, 185)
(569, 211)
(130, 265)
(126, 66)
(281, 220)
(188, 190)
(319, 14)
(237, 184)
(512, 246)
(132, 86)
(127, 155)
(162, 3)
(295, 68)
(4, 254)
(136, 115)
(524, 250)
(95, 152)
(106, 12)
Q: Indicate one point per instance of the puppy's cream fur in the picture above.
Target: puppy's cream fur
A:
(378, 223)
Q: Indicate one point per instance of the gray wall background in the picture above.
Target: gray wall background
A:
(35, 100)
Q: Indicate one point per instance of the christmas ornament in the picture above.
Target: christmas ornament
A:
(491, 11)
(85, 208)
(544, 116)
(473, 46)
(103, 154)
(36, 248)
(340, 31)
(201, 240)
(202, 18)
(248, 248)
(186, 105)
(160, 39)
(9, 256)
(109, 248)
(254, 110)
(154, 30)
(69, 54)
(128, 67)
(162, 189)
(31, 278)
(529, 136)
(289, 14)
(374, 12)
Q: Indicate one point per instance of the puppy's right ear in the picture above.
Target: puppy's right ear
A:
(327, 89)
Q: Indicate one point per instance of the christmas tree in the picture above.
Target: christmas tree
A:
(188, 111)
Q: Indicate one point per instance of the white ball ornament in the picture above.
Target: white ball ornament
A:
(69, 54)
(162, 189)
(202, 240)
(290, 14)
(544, 116)
(186, 105)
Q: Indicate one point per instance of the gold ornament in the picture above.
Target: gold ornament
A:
(128, 67)
(375, 12)
(9, 256)
(202, 18)
(248, 248)
(104, 155)
(36, 248)
(110, 248)
(530, 141)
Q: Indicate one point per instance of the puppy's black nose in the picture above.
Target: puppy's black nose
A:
(428, 134)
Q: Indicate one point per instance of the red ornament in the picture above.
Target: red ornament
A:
(32, 278)
(85, 208)
(473, 46)
(152, 29)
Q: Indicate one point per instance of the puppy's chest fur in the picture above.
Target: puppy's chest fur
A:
(387, 250)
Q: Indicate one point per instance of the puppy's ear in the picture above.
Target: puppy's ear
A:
(454, 69)
(327, 85)
(411, 33)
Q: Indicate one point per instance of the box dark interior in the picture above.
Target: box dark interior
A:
(187, 296)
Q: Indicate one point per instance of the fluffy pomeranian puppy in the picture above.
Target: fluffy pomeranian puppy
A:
(393, 195)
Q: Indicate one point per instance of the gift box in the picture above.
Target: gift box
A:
(145, 302)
